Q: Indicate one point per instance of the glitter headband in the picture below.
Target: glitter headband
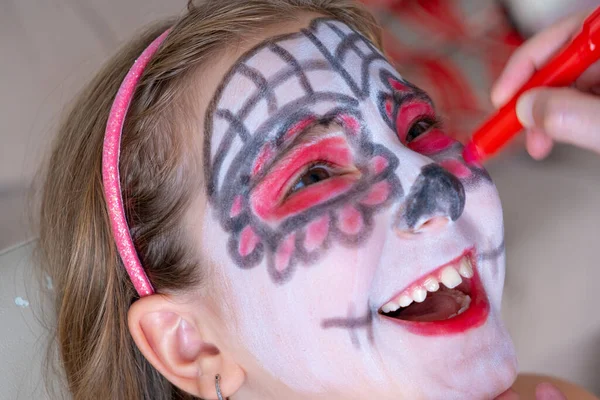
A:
(110, 170)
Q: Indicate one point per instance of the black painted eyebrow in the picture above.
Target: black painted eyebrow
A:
(311, 132)
(416, 94)
(319, 128)
(315, 130)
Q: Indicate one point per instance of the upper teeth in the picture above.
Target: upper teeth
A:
(465, 268)
(450, 275)
(431, 284)
(419, 294)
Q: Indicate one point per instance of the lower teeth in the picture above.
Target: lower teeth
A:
(465, 305)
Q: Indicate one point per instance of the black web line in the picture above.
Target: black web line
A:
(253, 145)
(291, 60)
(349, 43)
(266, 88)
(235, 123)
(261, 83)
(222, 151)
(356, 36)
(334, 63)
(211, 168)
(278, 80)
(366, 66)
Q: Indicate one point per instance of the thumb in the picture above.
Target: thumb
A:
(547, 391)
(564, 114)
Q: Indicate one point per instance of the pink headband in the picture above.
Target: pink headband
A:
(110, 170)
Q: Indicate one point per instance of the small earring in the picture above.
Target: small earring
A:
(218, 386)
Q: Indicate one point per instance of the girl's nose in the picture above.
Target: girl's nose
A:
(436, 198)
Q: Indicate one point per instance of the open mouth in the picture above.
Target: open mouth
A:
(450, 299)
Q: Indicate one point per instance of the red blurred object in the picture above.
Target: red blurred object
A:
(452, 49)
(562, 70)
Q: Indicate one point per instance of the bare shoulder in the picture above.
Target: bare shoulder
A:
(526, 383)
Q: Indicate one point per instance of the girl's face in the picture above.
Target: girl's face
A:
(359, 255)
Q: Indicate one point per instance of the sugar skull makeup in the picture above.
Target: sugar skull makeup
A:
(364, 258)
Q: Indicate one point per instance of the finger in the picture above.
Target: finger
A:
(539, 145)
(564, 114)
(508, 395)
(531, 56)
(547, 391)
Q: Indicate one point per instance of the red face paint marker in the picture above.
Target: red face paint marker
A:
(562, 70)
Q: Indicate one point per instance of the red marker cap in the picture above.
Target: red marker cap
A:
(562, 70)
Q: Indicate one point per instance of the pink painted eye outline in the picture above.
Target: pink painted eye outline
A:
(345, 218)
(410, 116)
(429, 123)
(403, 107)
(434, 143)
(405, 116)
(270, 199)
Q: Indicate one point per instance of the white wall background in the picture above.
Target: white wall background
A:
(48, 50)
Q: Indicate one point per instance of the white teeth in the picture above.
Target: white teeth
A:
(465, 304)
(431, 284)
(390, 307)
(405, 301)
(465, 269)
(450, 277)
(419, 295)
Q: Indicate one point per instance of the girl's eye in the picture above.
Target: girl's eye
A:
(419, 127)
(314, 174)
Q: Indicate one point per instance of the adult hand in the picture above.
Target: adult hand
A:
(543, 391)
(569, 115)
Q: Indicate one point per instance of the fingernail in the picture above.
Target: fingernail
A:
(496, 97)
(525, 109)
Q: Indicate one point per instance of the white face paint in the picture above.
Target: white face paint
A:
(333, 192)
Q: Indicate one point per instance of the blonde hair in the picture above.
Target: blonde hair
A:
(159, 175)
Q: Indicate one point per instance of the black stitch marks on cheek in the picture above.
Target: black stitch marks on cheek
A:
(352, 324)
(493, 254)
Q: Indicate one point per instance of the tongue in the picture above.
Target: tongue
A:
(438, 306)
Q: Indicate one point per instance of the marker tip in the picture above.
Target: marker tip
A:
(471, 154)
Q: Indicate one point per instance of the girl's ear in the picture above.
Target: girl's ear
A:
(180, 349)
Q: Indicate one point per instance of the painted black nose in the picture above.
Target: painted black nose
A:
(435, 195)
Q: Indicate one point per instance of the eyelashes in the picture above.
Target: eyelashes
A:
(421, 126)
(320, 170)
(324, 159)
(313, 173)
(411, 119)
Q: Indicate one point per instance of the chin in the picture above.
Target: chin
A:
(472, 365)
(452, 343)
(482, 367)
